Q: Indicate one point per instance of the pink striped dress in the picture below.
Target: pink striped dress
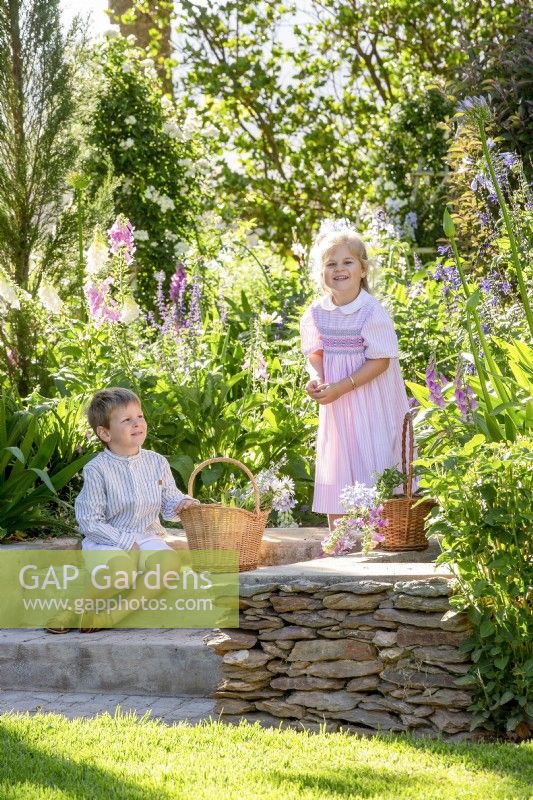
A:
(361, 432)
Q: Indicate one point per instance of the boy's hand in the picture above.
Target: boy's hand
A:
(187, 503)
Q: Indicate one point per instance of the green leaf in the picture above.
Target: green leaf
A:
(474, 300)
(448, 224)
(270, 417)
(17, 452)
(472, 443)
(486, 628)
(184, 466)
(505, 698)
(420, 393)
(212, 473)
(44, 477)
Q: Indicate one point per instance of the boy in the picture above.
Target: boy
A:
(125, 487)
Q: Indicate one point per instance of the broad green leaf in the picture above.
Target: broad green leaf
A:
(45, 478)
(473, 443)
(17, 452)
(183, 465)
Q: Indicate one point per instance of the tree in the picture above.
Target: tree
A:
(308, 121)
(150, 22)
(37, 150)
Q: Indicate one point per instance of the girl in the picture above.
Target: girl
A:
(352, 351)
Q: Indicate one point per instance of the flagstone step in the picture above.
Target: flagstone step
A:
(279, 545)
(158, 662)
(75, 705)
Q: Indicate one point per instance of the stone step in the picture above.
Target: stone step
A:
(165, 663)
(278, 546)
(75, 705)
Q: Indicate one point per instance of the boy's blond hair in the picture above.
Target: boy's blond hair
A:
(325, 242)
(104, 402)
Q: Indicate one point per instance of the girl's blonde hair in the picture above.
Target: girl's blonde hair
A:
(325, 242)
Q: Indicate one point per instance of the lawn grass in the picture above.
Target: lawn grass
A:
(47, 757)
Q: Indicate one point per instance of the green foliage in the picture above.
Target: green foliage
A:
(155, 153)
(389, 480)
(36, 461)
(38, 68)
(504, 71)
(421, 315)
(350, 108)
(484, 492)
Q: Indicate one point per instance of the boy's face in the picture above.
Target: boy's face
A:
(127, 430)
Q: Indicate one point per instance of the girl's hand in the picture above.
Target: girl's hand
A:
(328, 393)
(312, 387)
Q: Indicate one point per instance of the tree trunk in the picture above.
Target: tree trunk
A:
(156, 18)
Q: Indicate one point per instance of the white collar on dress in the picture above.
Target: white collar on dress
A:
(349, 308)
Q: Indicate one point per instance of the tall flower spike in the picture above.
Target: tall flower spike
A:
(121, 238)
(433, 384)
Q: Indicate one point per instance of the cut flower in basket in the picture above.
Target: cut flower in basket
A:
(275, 491)
(363, 518)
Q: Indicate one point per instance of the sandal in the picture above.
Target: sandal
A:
(85, 623)
(61, 623)
(59, 630)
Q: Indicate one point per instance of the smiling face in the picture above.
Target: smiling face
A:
(343, 273)
(127, 430)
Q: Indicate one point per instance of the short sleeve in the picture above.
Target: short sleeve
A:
(311, 340)
(380, 337)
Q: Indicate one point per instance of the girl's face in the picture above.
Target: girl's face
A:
(127, 430)
(343, 272)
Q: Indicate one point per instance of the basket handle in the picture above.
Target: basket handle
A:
(226, 460)
(408, 483)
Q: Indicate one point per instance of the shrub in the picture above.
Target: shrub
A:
(484, 491)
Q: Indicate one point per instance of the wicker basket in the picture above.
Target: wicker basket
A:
(405, 530)
(219, 528)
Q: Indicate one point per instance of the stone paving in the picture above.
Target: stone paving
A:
(89, 704)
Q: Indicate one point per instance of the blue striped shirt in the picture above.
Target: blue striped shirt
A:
(123, 496)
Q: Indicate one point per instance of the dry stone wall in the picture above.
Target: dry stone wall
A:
(362, 655)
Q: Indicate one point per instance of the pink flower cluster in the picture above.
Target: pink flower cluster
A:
(101, 307)
(121, 238)
(362, 525)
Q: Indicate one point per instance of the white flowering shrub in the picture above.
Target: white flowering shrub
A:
(157, 153)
